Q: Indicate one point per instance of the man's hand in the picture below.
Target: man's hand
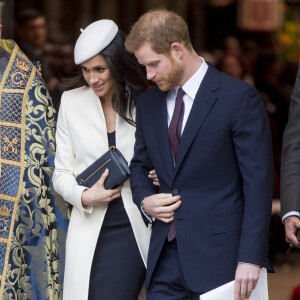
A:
(246, 277)
(292, 230)
(161, 206)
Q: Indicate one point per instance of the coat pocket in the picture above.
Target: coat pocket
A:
(226, 223)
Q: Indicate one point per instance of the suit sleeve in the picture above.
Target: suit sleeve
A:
(253, 147)
(64, 181)
(290, 159)
(140, 165)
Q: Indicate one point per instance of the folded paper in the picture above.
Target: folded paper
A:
(225, 292)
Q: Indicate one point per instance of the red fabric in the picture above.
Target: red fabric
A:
(296, 293)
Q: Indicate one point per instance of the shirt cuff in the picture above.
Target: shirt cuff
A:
(86, 208)
(240, 262)
(149, 218)
(291, 213)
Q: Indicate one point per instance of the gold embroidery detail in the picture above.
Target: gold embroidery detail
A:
(13, 91)
(4, 211)
(4, 228)
(10, 144)
(18, 78)
(10, 124)
(39, 69)
(22, 65)
(28, 79)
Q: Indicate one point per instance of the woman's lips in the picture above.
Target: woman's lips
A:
(98, 87)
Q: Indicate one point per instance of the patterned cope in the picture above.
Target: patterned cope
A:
(33, 219)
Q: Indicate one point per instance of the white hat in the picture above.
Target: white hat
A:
(93, 39)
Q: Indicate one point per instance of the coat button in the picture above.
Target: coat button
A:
(175, 192)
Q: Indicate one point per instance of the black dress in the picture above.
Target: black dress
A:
(118, 271)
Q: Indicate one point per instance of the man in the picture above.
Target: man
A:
(31, 35)
(213, 161)
(33, 220)
(31, 30)
(290, 170)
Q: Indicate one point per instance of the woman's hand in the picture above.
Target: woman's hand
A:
(98, 195)
(153, 176)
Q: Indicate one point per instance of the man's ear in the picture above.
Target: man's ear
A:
(0, 30)
(177, 50)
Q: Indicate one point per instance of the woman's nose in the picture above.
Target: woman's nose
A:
(92, 77)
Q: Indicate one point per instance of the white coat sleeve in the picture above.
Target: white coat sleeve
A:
(64, 181)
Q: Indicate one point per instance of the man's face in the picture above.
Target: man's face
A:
(35, 32)
(162, 69)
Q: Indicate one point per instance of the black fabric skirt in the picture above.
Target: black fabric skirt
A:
(118, 271)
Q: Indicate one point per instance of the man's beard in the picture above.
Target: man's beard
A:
(171, 80)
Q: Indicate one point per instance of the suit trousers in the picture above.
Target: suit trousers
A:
(167, 282)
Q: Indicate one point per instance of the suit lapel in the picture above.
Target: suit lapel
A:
(161, 130)
(203, 103)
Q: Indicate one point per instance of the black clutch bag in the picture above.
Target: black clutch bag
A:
(112, 160)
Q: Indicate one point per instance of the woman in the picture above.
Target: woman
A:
(107, 240)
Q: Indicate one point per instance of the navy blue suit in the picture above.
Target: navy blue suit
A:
(223, 172)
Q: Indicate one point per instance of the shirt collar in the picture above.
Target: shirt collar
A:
(192, 85)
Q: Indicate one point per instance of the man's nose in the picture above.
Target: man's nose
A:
(150, 73)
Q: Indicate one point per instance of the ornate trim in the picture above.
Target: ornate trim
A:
(17, 79)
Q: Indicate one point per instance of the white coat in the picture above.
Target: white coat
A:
(81, 138)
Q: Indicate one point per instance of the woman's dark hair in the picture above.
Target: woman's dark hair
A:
(128, 74)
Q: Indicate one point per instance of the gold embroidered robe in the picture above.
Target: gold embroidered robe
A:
(33, 219)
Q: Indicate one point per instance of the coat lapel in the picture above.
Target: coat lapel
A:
(97, 120)
(125, 145)
(203, 103)
(161, 130)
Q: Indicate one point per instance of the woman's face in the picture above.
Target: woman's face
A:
(98, 77)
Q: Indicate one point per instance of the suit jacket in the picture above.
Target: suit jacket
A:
(82, 138)
(224, 174)
(290, 160)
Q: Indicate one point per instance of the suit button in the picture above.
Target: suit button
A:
(175, 192)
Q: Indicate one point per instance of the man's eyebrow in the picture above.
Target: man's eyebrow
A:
(153, 62)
